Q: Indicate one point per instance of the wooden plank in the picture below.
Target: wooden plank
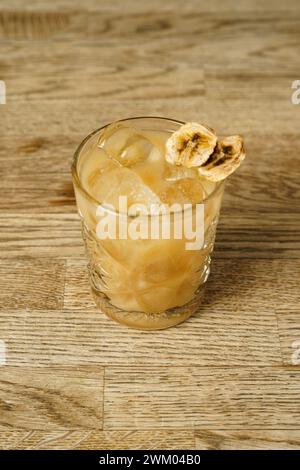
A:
(59, 235)
(42, 235)
(134, 5)
(274, 236)
(31, 283)
(250, 83)
(149, 24)
(236, 325)
(252, 236)
(37, 25)
(30, 183)
(224, 379)
(26, 155)
(39, 193)
(174, 397)
(100, 440)
(118, 81)
(272, 280)
(133, 77)
(289, 332)
(174, 37)
(248, 440)
(87, 337)
(270, 174)
(53, 399)
(63, 117)
(243, 63)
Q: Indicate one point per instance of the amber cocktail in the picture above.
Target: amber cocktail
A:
(153, 282)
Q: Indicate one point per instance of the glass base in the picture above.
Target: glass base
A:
(149, 321)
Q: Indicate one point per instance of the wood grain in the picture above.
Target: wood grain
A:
(86, 336)
(116, 59)
(248, 440)
(59, 235)
(25, 169)
(116, 82)
(232, 327)
(149, 25)
(100, 440)
(168, 440)
(251, 236)
(41, 235)
(136, 5)
(289, 332)
(31, 283)
(64, 117)
(174, 397)
(273, 281)
(71, 377)
(32, 186)
(55, 400)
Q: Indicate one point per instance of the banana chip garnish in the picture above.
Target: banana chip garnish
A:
(226, 158)
(197, 146)
(191, 145)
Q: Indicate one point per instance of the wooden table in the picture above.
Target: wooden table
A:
(70, 377)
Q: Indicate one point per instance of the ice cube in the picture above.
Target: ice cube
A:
(182, 185)
(176, 173)
(125, 145)
(158, 139)
(152, 170)
(155, 155)
(95, 164)
(123, 182)
(192, 189)
(137, 151)
(184, 191)
(171, 194)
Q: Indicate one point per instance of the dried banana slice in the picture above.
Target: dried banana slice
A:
(191, 145)
(226, 158)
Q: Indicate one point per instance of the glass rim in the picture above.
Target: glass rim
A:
(76, 156)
